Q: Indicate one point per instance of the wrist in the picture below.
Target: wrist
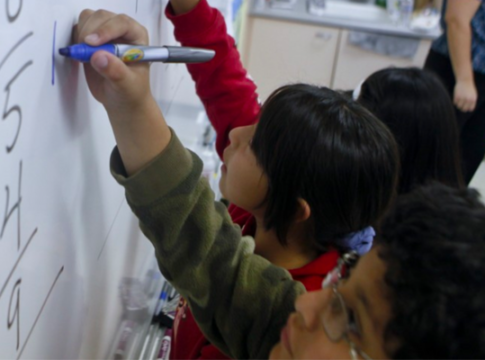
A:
(465, 80)
(127, 110)
(140, 131)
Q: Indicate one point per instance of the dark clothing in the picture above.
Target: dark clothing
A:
(440, 45)
(472, 124)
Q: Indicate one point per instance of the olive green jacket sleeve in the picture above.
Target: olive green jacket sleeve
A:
(240, 300)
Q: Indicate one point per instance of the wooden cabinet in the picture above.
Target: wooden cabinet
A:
(279, 52)
(355, 64)
(283, 52)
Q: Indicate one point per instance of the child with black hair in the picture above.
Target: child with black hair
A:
(302, 175)
(308, 198)
(418, 294)
(413, 103)
(416, 107)
(398, 302)
(317, 169)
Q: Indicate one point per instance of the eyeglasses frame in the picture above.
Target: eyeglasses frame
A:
(347, 261)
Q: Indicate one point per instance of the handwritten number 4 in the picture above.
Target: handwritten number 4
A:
(15, 207)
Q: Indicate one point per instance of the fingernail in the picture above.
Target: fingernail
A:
(93, 38)
(100, 61)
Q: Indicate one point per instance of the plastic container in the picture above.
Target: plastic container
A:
(406, 8)
(392, 7)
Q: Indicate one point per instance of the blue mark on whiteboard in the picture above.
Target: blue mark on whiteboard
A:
(54, 54)
(136, 10)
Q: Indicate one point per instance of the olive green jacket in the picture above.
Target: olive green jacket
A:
(239, 299)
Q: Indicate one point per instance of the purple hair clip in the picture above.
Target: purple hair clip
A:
(359, 241)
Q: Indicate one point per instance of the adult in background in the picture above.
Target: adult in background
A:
(458, 57)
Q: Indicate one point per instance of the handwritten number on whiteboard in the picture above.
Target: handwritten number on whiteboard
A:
(15, 317)
(4, 60)
(12, 18)
(8, 213)
(14, 311)
(14, 109)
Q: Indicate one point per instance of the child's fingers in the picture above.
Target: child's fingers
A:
(75, 34)
(84, 15)
(81, 23)
(119, 27)
(110, 67)
(469, 105)
(90, 21)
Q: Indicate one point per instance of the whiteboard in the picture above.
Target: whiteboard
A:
(67, 236)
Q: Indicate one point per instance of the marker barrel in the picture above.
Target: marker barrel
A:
(135, 53)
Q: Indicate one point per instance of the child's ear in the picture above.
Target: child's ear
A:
(303, 211)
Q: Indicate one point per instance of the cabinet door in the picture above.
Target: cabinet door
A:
(281, 52)
(355, 64)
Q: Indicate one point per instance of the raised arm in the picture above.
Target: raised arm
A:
(228, 95)
(240, 301)
(459, 14)
(139, 127)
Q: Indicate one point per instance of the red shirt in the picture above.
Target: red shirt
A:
(230, 101)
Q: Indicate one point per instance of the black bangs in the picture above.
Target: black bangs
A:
(314, 144)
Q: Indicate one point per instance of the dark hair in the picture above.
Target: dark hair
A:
(433, 244)
(315, 144)
(416, 107)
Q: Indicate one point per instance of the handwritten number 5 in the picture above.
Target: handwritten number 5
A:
(14, 109)
(15, 317)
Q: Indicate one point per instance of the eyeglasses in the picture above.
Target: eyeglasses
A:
(336, 317)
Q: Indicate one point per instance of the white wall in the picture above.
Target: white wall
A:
(67, 235)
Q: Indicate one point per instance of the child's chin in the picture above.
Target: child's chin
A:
(276, 352)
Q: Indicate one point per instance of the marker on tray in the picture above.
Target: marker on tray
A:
(153, 329)
(150, 335)
(162, 300)
(165, 346)
(156, 344)
(135, 53)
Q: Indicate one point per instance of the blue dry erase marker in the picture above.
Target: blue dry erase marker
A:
(134, 53)
(162, 300)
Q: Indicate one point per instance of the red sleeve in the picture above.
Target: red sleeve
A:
(222, 84)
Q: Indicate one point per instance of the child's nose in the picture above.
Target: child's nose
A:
(311, 306)
(235, 135)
